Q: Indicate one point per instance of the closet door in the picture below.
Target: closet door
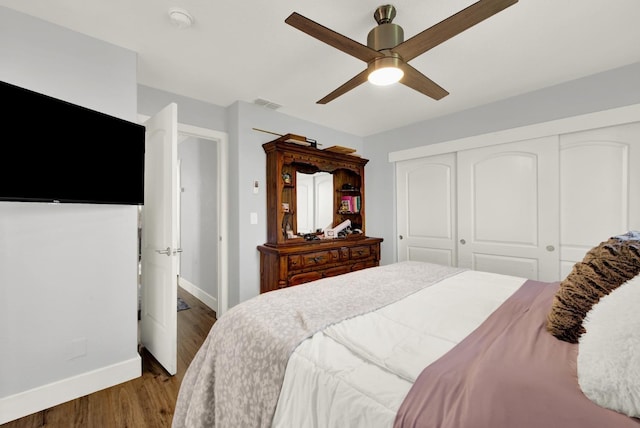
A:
(508, 209)
(426, 199)
(599, 188)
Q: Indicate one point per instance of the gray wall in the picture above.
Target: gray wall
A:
(190, 111)
(602, 91)
(68, 272)
(610, 89)
(198, 210)
(247, 163)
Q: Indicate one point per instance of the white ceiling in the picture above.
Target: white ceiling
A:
(243, 50)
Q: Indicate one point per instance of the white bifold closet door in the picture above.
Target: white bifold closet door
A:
(508, 209)
(530, 208)
(599, 188)
(426, 197)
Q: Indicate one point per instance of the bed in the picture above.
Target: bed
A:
(410, 344)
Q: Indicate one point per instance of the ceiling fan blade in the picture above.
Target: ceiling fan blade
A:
(421, 83)
(332, 38)
(452, 26)
(355, 81)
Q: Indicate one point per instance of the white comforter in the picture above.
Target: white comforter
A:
(356, 373)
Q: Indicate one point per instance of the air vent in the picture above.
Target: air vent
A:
(267, 104)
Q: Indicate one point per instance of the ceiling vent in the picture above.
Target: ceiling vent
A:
(267, 104)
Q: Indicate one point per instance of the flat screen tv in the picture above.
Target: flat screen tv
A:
(58, 152)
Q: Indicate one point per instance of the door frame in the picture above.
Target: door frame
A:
(222, 146)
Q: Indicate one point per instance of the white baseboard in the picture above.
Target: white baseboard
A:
(200, 294)
(46, 396)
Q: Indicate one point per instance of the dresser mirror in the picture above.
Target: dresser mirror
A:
(314, 201)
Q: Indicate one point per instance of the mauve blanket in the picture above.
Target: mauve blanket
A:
(508, 373)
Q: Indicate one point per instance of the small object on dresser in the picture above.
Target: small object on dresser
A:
(299, 140)
(288, 231)
(285, 207)
(341, 150)
(286, 178)
(347, 186)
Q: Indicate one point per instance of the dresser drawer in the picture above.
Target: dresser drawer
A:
(360, 252)
(290, 265)
(334, 271)
(294, 262)
(319, 258)
(363, 265)
(305, 277)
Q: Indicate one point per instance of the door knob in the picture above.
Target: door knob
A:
(167, 251)
(462, 241)
(400, 237)
(550, 248)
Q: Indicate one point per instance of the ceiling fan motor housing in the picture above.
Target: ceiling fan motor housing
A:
(385, 36)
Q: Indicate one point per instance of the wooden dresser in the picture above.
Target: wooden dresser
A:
(287, 258)
(283, 266)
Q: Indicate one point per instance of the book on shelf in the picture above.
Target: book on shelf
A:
(350, 204)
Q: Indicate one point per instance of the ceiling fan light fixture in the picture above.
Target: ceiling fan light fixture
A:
(385, 71)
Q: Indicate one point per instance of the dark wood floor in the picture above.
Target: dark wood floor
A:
(145, 402)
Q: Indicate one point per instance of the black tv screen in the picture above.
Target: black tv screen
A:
(56, 151)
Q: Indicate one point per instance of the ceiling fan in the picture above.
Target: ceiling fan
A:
(387, 53)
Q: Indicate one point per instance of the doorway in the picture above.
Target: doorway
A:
(159, 292)
(198, 211)
(219, 214)
(202, 196)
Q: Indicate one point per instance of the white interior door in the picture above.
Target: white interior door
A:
(426, 207)
(158, 324)
(508, 209)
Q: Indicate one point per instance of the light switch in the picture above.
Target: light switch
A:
(254, 218)
(256, 187)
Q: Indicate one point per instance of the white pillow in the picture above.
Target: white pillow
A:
(609, 351)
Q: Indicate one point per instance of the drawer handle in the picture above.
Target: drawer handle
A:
(317, 259)
(360, 252)
(293, 262)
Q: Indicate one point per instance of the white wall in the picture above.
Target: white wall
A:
(603, 91)
(68, 273)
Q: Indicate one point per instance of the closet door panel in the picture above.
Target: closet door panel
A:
(507, 265)
(504, 189)
(599, 188)
(508, 209)
(431, 255)
(426, 209)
